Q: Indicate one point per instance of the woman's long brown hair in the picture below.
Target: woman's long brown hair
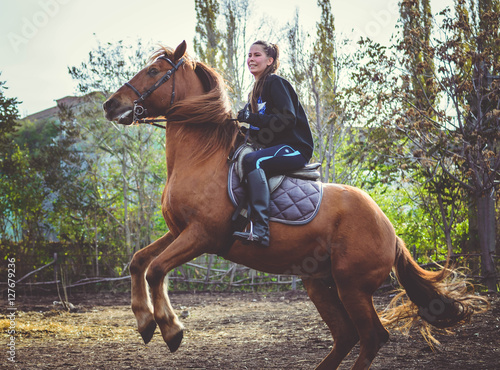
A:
(272, 51)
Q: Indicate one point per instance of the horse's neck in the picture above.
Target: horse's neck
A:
(180, 150)
(174, 156)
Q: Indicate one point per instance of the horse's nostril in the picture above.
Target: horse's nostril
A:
(109, 105)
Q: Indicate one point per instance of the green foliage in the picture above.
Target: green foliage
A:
(8, 118)
(23, 194)
(419, 224)
(128, 167)
(208, 38)
(431, 104)
(75, 179)
(108, 65)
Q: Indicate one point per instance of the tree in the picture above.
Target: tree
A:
(236, 14)
(39, 186)
(478, 24)
(208, 38)
(8, 126)
(108, 66)
(445, 108)
(128, 155)
(315, 68)
(420, 90)
(8, 118)
(221, 41)
(22, 188)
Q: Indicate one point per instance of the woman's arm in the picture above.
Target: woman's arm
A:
(280, 110)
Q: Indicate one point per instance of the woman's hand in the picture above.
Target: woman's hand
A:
(244, 114)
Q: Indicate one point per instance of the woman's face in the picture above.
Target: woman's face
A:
(258, 60)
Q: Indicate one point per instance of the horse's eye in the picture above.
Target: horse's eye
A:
(153, 72)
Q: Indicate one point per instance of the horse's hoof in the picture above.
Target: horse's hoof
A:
(147, 333)
(175, 342)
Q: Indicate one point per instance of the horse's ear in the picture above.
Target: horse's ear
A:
(180, 51)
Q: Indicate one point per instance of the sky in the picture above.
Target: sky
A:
(40, 39)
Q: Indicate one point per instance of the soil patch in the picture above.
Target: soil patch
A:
(224, 331)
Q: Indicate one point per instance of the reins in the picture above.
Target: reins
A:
(153, 121)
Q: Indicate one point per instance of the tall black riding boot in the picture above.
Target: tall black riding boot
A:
(258, 192)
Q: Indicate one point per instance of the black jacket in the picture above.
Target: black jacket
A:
(281, 118)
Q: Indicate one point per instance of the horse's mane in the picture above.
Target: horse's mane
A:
(207, 115)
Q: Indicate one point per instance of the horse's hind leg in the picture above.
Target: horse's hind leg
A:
(324, 295)
(141, 302)
(372, 334)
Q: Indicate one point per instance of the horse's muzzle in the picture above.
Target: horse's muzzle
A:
(114, 111)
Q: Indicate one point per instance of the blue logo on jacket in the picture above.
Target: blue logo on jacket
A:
(262, 109)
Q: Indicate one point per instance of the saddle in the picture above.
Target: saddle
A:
(295, 196)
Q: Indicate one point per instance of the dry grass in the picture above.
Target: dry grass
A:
(60, 325)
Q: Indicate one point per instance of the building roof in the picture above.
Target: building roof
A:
(67, 102)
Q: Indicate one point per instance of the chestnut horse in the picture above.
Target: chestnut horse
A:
(343, 255)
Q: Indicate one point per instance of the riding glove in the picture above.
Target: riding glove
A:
(245, 115)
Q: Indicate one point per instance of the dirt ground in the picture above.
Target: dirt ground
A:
(224, 331)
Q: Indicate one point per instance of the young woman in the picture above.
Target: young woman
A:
(279, 126)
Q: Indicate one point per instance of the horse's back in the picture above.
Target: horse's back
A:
(349, 200)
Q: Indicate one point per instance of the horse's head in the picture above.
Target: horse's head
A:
(152, 91)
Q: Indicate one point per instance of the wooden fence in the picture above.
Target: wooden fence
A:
(208, 272)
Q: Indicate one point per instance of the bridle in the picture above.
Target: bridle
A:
(139, 110)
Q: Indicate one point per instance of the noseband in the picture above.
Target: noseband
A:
(139, 110)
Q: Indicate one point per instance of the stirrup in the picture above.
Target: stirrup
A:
(247, 235)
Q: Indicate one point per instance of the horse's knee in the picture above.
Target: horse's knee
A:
(137, 264)
(155, 274)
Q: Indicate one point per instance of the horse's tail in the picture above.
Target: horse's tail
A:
(439, 298)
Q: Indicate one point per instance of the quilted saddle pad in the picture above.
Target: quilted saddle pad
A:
(294, 201)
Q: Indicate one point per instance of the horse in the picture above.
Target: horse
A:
(343, 255)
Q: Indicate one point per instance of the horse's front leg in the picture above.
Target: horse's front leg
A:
(141, 302)
(184, 248)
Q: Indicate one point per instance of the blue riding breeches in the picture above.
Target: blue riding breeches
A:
(275, 160)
